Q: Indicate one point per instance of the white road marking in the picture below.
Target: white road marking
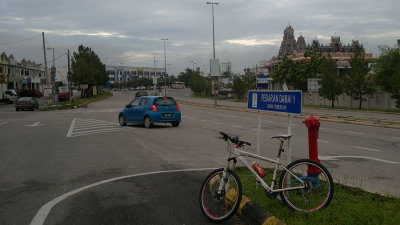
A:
(203, 120)
(369, 149)
(398, 138)
(80, 127)
(218, 123)
(237, 126)
(3, 123)
(323, 141)
(352, 132)
(44, 211)
(35, 124)
(337, 157)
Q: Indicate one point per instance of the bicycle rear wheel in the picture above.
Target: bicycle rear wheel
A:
(216, 204)
(318, 186)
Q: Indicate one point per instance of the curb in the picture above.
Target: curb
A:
(251, 213)
(320, 117)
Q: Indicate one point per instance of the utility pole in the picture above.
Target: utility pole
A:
(45, 60)
(53, 71)
(165, 67)
(69, 78)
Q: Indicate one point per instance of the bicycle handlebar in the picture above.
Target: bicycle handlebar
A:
(234, 140)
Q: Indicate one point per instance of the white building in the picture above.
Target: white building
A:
(127, 73)
(24, 75)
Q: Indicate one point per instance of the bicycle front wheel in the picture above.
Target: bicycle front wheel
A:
(220, 195)
(311, 186)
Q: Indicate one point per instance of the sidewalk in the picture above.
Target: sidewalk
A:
(369, 118)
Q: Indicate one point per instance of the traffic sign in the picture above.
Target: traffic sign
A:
(277, 101)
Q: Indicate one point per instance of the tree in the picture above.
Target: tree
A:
(200, 85)
(291, 73)
(249, 79)
(239, 87)
(87, 68)
(331, 84)
(387, 72)
(185, 76)
(358, 82)
(312, 67)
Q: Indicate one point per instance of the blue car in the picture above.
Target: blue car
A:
(148, 110)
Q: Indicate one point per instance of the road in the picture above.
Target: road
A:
(80, 167)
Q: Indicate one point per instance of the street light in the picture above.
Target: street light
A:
(165, 67)
(212, 7)
(148, 79)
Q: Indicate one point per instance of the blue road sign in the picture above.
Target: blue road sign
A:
(277, 101)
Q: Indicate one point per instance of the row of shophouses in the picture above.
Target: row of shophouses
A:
(29, 75)
(23, 75)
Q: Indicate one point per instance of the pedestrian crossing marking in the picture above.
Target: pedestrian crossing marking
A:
(80, 127)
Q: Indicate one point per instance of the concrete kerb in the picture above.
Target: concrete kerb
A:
(320, 117)
(248, 211)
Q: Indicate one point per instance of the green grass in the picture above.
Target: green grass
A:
(348, 206)
(355, 109)
(81, 102)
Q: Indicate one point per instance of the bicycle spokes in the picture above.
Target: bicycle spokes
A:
(220, 196)
(304, 191)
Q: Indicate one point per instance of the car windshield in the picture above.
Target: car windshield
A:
(165, 101)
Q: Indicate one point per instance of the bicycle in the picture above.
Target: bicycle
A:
(305, 185)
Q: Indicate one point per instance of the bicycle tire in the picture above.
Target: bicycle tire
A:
(318, 190)
(220, 207)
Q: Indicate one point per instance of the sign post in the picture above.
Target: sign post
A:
(276, 101)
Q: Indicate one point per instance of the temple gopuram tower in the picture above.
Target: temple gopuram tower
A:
(288, 44)
(301, 44)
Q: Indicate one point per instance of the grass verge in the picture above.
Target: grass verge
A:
(81, 102)
(348, 206)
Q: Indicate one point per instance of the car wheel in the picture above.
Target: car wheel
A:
(16, 109)
(175, 123)
(33, 108)
(122, 121)
(147, 122)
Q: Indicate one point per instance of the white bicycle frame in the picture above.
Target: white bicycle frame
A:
(240, 154)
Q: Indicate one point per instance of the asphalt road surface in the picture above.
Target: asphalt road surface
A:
(80, 167)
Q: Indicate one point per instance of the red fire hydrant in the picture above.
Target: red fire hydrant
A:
(312, 123)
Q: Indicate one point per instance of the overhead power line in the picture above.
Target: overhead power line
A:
(15, 42)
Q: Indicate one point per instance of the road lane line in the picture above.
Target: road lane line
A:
(337, 157)
(71, 128)
(77, 134)
(44, 211)
(218, 123)
(237, 126)
(352, 132)
(323, 141)
(3, 123)
(369, 149)
(203, 120)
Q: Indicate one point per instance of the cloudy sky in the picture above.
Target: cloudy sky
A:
(127, 32)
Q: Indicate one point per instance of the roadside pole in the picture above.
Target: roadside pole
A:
(277, 101)
(259, 133)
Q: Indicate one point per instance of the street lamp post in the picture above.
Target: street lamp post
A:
(148, 79)
(212, 8)
(165, 67)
